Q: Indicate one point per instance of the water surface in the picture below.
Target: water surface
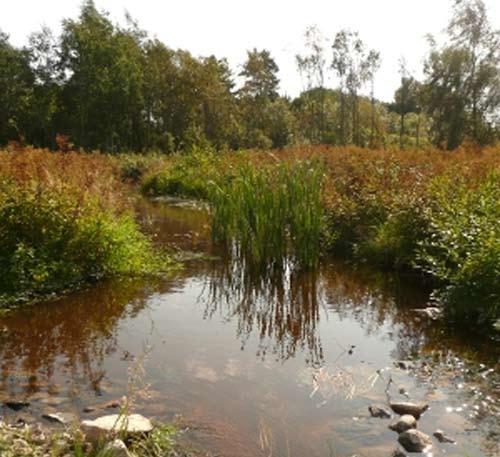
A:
(283, 367)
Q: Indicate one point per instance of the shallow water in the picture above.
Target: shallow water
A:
(286, 367)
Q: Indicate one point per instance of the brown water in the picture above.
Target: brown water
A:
(286, 367)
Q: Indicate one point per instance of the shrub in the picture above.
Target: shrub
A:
(64, 220)
(463, 245)
(189, 175)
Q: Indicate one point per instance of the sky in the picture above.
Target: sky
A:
(228, 28)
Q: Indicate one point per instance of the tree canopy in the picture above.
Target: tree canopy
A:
(112, 87)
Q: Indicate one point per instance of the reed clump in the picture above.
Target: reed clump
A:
(271, 215)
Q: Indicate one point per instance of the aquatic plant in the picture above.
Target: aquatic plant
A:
(271, 215)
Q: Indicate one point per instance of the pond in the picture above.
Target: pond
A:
(285, 367)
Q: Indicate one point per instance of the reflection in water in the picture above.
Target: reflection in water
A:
(345, 323)
(73, 336)
(283, 309)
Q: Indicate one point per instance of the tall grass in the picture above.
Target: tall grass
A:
(64, 220)
(271, 215)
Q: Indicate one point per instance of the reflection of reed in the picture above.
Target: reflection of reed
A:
(283, 307)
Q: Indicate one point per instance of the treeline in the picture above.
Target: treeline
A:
(111, 87)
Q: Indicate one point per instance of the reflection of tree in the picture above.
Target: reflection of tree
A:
(73, 335)
(374, 300)
(283, 308)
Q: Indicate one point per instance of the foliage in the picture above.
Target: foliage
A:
(273, 214)
(113, 87)
(187, 175)
(398, 210)
(134, 166)
(64, 220)
(462, 248)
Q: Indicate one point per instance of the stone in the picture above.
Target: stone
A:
(116, 448)
(404, 423)
(377, 411)
(414, 440)
(442, 438)
(59, 418)
(53, 401)
(89, 409)
(132, 425)
(113, 404)
(405, 364)
(16, 405)
(413, 409)
(398, 453)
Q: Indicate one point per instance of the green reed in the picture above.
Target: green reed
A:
(271, 215)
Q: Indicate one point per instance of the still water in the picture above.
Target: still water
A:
(283, 367)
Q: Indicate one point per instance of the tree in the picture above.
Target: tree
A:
(312, 69)
(258, 92)
(103, 90)
(444, 92)
(260, 74)
(44, 55)
(465, 76)
(469, 29)
(406, 98)
(373, 64)
(354, 66)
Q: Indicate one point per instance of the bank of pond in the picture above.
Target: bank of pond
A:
(66, 218)
(299, 315)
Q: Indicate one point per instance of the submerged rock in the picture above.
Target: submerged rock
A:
(377, 411)
(16, 405)
(413, 409)
(404, 423)
(132, 425)
(414, 440)
(405, 364)
(398, 453)
(442, 438)
(116, 448)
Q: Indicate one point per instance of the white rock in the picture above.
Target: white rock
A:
(116, 448)
(134, 424)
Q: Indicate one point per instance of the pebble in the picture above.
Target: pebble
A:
(377, 411)
(442, 438)
(414, 440)
(414, 409)
(404, 423)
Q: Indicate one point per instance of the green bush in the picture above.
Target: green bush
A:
(463, 245)
(64, 221)
(189, 175)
